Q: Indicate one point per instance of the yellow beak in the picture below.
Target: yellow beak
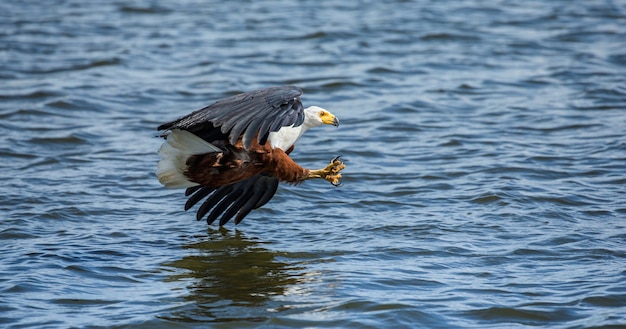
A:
(329, 118)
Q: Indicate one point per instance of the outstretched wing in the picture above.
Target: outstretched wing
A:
(230, 200)
(248, 115)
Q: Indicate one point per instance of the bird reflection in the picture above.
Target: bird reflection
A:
(231, 277)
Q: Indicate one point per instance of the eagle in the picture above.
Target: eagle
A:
(233, 153)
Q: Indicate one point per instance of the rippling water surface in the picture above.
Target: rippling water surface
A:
(484, 188)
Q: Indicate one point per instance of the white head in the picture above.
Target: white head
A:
(316, 116)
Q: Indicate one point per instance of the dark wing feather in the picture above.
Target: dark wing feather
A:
(213, 199)
(234, 200)
(197, 193)
(248, 114)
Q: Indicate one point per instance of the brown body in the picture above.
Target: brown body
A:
(236, 164)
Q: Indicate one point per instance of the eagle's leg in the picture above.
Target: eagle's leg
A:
(330, 173)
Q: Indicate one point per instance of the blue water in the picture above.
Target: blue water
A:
(484, 187)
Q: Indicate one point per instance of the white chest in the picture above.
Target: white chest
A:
(285, 137)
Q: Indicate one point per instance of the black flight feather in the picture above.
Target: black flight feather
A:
(234, 200)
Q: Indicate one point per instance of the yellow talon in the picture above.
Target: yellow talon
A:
(330, 173)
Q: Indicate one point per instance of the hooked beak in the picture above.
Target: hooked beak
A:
(328, 118)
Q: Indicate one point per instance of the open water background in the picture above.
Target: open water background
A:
(485, 186)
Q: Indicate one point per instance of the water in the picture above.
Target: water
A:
(484, 187)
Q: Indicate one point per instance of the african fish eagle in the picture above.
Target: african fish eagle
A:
(235, 151)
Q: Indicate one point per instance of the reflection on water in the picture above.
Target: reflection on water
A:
(232, 277)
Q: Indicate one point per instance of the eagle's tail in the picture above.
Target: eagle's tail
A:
(178, 147)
